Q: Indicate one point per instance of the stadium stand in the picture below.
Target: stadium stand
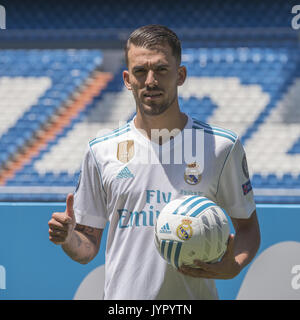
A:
(243, 74)
(39, 103)
(64, 14)
(74, 22)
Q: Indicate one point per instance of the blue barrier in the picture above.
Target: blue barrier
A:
(31, 267)
(35, 267)
(272, 277)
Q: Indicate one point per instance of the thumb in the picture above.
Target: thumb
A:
(69, 207)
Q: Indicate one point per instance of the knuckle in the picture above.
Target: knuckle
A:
(55, 214)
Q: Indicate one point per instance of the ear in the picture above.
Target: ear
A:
(182, 72)
(126, 79)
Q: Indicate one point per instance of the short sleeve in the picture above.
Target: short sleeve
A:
(235, 193)
(89, 197)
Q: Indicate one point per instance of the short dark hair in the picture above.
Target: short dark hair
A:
(152, 35)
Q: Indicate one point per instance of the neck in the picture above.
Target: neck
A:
(170, 119)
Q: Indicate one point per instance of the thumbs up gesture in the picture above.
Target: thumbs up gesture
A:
(62, 224)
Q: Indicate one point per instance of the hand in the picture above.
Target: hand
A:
(226, 268)
(62, 224)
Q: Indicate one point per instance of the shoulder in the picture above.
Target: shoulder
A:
(103, 147)
(218, 140)
(219, 132)
(107, 138)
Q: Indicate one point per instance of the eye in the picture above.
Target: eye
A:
(139, 71)
(159, 69)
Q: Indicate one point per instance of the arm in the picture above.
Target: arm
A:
(241, 249)
(84, 243)
(81, 243)
(247, 239)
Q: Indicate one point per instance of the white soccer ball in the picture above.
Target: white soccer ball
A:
(191, 228)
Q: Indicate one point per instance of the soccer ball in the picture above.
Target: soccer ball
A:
(189, 228)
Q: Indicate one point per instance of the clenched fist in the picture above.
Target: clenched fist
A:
(62, 224)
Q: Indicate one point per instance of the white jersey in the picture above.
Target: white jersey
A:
(116, 187)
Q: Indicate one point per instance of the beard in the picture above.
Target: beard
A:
(153, 108)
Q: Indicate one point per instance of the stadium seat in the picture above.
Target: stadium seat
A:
(251, 89)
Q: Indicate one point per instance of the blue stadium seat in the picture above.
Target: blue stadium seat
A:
(56, 64)
(265, 64)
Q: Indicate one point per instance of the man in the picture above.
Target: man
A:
(129, 194)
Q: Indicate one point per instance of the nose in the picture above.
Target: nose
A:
(150, 80)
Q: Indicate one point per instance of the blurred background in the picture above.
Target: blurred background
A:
(60, 83)
(61, 63)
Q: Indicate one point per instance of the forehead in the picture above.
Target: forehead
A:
(154, 55)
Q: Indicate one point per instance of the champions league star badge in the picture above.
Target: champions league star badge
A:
(125, 151)
(192, 174)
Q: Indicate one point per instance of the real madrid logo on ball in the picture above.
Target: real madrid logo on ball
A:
(184, 230)
(192, 174)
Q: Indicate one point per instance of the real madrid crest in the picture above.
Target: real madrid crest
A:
(185, 231)
(192, 174)
(125, 151)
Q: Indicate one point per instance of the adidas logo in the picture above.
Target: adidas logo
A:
(124, 174)
(165, 228)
